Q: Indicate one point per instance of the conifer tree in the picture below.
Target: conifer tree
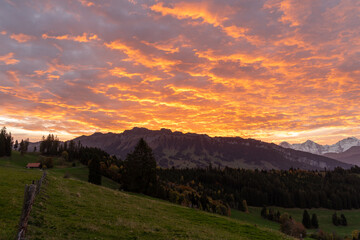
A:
(140, 169)
(6, 143)
(263, 212)
(16, 145)
(335, 219)
(343, 220)
(306, 219)
(94, 171)
(314, 221)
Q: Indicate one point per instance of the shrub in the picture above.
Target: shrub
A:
(46, 162)
(291, 227)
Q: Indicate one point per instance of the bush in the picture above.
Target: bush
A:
(291, 227)
(46, 162)
(336, 220)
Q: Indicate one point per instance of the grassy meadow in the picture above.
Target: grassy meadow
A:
(71, 208)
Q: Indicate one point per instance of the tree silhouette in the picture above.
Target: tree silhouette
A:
(94, 171)
(314, 221)
(306, 219)
(140, 169)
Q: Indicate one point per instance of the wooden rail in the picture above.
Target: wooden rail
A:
(31, 191)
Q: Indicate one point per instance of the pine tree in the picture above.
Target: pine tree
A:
(335, 219)
(24, 146)
(314, 221)
(343, 220)
(6, 143)
(16, 145)
(94, 171)
(2, 143)
(263, 212)
(140, 169)
(306, 219)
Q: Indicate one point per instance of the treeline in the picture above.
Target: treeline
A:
(338, 189)
(100, 163)
(6, 143)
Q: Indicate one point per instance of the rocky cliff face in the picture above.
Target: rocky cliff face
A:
(176, 149)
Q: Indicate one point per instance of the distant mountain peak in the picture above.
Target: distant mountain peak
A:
(315, 148)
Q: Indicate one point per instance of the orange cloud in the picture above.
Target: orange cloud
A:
(274, 70)
(8, 59)
(21, 38)
(139, 57)
(201, 11)
(184, 10)
(85, 37)
(87, 3)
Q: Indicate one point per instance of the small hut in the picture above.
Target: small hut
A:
(33, 165)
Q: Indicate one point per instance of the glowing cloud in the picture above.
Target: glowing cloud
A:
(21, 38)
(8, 59)
(269, 69)
(81, 38)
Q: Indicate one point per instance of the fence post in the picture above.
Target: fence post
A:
(29, 197)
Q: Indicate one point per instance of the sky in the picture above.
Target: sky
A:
(274, 70)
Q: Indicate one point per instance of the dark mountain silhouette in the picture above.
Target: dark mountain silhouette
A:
(176, 149)
(351, 156)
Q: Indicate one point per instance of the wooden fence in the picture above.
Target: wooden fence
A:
(31, 191)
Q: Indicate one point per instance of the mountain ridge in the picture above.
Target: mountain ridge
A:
(350, 156)
(181, 150)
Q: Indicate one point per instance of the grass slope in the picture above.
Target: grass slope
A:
(12, 183)
(81, 172)
(324, 218)
(72, 209)
(75, 209)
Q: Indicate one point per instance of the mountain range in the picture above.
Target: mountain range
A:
(346, 150)
(313, 147)
(179, 150)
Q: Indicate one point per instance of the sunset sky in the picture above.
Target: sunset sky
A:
(266, 69)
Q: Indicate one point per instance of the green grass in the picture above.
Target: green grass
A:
(324, 218)
(73, 209)
(61, 168)
(12, 184)
(17, 160)
(81, 172)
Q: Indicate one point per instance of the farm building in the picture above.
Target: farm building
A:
(33, 165)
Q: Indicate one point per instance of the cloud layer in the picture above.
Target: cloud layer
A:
(267, 69)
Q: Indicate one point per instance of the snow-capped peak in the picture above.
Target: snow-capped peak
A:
(313, 147)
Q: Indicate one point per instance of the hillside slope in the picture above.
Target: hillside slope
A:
(351, 156)
(73, 209)
(175, 149)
